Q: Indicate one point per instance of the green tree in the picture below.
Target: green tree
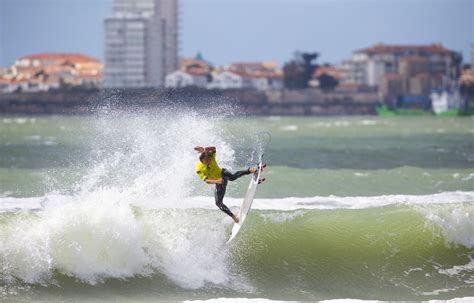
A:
(298, 71)
(327, 82)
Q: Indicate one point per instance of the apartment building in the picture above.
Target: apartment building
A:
(141, 43)
(369, 65)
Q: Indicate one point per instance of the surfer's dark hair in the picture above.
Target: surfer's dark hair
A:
(204, 155)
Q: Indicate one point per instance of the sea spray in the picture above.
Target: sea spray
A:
(151, 155)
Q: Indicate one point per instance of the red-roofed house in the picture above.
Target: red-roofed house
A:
(247, 75)
(54, 59)
(41, 72)
(258, 75)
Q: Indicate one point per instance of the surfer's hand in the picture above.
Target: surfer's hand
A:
(216, 181)
(199, 149)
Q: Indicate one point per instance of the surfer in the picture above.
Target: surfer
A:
(209, 171)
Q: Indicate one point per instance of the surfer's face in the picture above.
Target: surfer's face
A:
(206, 161)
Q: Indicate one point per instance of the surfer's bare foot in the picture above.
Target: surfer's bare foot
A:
(252, 170)
(235, 218)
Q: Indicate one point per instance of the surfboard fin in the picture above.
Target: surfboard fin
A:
(261, 180)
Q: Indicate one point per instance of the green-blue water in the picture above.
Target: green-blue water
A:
(108, 207)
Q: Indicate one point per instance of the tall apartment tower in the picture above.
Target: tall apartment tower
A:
(141, 43)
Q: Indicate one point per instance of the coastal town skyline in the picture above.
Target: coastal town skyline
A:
(88, 39)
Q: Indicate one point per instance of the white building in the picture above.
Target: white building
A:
(235, 80)
(227, 80)
(180, 78)
(265, 83)
(444, 101)
(141, 43)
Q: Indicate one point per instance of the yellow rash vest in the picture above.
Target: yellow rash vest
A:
(213, 171)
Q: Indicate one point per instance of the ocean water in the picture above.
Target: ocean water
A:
(108, 207)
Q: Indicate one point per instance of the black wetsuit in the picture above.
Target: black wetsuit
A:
(220, 188)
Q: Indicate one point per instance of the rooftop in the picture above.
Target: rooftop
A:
(389, 49)
(60, 57)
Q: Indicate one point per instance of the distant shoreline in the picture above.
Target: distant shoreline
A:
(306, 102)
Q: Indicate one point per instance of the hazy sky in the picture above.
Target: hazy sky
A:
(246, 30)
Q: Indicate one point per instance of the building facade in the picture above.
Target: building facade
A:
(368, 66)
(141, 43)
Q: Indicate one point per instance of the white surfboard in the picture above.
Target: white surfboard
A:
(248, 199)
(247, 203)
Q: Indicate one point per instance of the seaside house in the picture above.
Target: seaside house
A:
(252, 75)
(248, 75)
(195, 64)
(228, 80)
(5, 85)
(192, 72)
(42, 72)
(259, 75)
(181, 78)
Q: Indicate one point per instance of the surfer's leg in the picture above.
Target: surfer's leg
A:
(219, 196)
(233, 176)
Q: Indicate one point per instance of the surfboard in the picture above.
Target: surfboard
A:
(252, 188)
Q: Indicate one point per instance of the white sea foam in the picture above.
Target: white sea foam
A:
(253, 300)
(94, 240)
(289, 128)
(455, 223)
(206, 202)
(368, 122)
(282, 217)
(230, 300)
(21, 120)
(469, 177)
(456, 270)
(33, 137)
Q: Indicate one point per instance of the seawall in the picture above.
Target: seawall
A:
(307, 102)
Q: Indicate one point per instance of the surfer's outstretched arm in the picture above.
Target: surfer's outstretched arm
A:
(216, 181)
(199, 149)
(209, 149)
